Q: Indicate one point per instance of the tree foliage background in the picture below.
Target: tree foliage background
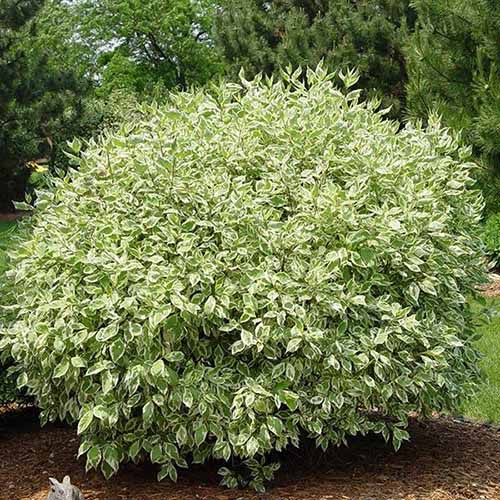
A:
(41, 100)
(140, 44)
(454, 65)
(263, 36)
(62, 64)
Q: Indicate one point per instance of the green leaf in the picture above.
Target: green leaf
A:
(187, 398)
(200, 434)
(293, 344)
(209, 307)
(164, 472)
(134, 449)
(252, 446)
(175, 357)
(428, 287)
(148, 412)
(247, 338)
(398, 437)
(109, 381)
(181, 435)
(110, 456)
(94, 457)
(78, 362)
(108, 332)
(275, 425)
(290, 399)
(85, 421)
(136, 329)
(61, 369)
(367, 255)
(156, 454)
(97, 368)
(237, 347)
(84, 448)
(381, 337)
(117, 350)
(101, 412)
(158, 368)
(414, 292)
(172, 472)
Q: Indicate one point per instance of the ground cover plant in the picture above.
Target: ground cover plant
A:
(244, 267)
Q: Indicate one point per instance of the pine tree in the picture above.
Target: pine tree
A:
(454, 69)
(263, 36)
(40, 102)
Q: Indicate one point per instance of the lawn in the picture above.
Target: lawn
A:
(6, 230)
(485, 405)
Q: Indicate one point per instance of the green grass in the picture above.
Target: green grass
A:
(6, 230)
(485, 405)
(6, 227)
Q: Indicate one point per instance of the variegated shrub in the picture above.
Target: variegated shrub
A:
(244, 267)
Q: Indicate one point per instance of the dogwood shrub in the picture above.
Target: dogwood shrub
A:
(245, 267)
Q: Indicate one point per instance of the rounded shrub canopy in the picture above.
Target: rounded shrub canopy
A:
(245, 267)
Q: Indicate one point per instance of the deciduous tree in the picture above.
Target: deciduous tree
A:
(143, 43)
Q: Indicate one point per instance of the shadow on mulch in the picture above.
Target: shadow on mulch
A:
(14, 216)
(445, 459)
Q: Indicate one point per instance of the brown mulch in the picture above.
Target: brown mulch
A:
(11, 217)
(445, 459)
(492, 289)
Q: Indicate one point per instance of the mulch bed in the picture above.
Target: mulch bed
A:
(445, 459)
(492, 289)
(11, 217)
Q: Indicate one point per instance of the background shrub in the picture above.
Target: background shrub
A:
(246, 267)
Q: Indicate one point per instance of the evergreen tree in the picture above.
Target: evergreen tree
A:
(263, 36)
(40, 102)
(454, 68)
